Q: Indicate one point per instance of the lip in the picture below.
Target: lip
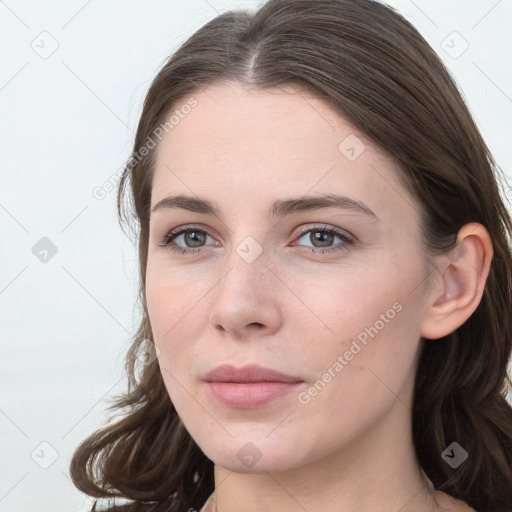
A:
(251, 395)
(249, 373)
(248, 387)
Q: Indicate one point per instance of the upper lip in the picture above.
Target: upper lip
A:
(249, 373)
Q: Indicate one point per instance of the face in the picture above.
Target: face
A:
(329, 294)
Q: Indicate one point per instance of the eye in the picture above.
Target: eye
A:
(322, 236)
(193, 239)
(191, 235)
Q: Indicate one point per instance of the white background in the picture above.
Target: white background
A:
(67, 125)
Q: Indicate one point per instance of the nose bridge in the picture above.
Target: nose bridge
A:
(246, 267)
(245, 294)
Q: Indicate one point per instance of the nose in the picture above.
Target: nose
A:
(247, 298)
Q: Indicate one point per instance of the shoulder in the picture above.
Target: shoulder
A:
(209, 504)
(447, 502)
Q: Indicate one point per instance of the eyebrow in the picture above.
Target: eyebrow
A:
(279, 208)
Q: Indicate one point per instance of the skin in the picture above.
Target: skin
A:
(350, 447)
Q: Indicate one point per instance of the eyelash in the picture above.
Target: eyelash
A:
(169, 237)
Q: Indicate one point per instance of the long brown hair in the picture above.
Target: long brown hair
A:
(372, 67)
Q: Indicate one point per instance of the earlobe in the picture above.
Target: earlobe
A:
(460, 282)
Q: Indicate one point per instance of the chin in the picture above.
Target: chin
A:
(253, 455)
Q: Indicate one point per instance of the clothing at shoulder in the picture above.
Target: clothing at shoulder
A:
(208, 505)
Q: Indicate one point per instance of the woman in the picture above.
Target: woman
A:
(325, 277)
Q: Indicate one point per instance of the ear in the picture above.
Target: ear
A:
(461, 278)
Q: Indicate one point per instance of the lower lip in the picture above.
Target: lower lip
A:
(249, 395)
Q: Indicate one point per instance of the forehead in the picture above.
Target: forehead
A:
(273, 142)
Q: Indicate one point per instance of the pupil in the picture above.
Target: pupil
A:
(318, 236)
(322, 237)
(194, 234)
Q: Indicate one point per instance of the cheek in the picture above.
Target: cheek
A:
(344, 303)
(171, 308)
(363, 333)
(172, 301)
(353, 383)
(179, 307)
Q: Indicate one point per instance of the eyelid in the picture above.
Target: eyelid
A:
(191, 227)
(174, 233)
(325, 227)
(347, 238)
(299, 233)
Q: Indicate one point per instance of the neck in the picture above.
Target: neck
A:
(366, 475)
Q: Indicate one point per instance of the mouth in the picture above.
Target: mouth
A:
(249, 395)
(248, 374)
(248, 387)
